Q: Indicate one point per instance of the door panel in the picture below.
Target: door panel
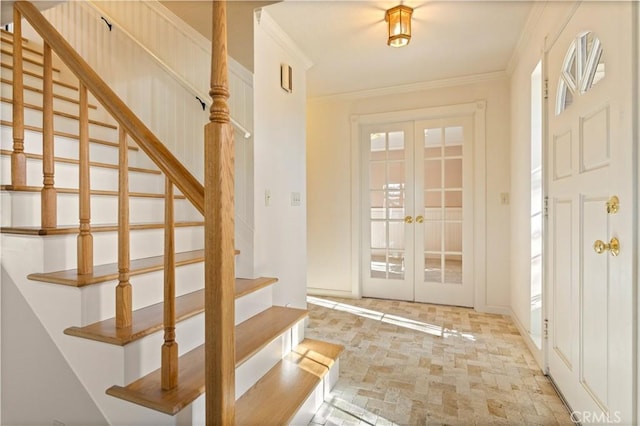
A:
(591, 306)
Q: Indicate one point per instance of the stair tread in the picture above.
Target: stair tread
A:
(251, 336)
(10, 34)
(29, 60)
(91, 163)
(62, 114)
(296, 376)
(40, 91)
(148, 320)
(93, 192)
(109, 271)
(34, 74)
(61, 230)
(68, 135)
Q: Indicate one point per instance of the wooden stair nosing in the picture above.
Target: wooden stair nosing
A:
(68, 135)
(109, 271)
(296, 376)
(40, 91)
(32, 156)
(63, 230)
(29, 60)
(36, 75)
(251, 336)
(24, 45)
(63, 114)
(148, 320)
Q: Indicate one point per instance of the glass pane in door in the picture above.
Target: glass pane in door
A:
(443, 194)
(387, 193)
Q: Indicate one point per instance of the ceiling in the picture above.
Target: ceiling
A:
(346, 41)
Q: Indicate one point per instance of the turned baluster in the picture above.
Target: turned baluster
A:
(219, 234)
(123, 289)
(18, 159)
(85, 239)
(48, 216)
(170, 346)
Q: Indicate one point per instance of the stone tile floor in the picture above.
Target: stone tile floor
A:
(417, 364)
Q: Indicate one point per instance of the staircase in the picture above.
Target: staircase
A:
(99, 225)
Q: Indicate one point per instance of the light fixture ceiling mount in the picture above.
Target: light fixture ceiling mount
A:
(399, 24)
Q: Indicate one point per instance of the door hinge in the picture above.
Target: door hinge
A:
(545, 331)
(545, 206)
(546, 88)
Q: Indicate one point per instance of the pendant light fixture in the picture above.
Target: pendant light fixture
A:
(399, 21)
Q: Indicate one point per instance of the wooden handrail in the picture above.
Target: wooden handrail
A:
(133, 126)
(218, 241)
(18, 158)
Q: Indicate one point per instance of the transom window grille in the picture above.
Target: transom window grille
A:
(582, 68)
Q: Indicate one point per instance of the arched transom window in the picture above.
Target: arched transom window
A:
(582, 68)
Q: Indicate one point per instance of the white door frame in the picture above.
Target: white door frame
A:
(476, 110)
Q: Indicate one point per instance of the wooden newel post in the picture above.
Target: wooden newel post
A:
(219, 237)
(18, 159)
(124, 293)
(85, 239)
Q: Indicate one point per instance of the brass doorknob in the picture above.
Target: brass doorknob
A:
(613, 205)
(613, 246)
(408, 219)
(419, 219)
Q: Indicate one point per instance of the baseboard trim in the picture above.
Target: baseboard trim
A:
(535, 351)
(311, 291)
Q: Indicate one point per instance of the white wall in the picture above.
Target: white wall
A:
(280, 248)
(331, 266)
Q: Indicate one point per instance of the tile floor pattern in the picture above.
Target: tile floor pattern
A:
(417, 364)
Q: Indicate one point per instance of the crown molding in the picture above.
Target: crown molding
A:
(272, 28)
(525, 36)
(414, 87)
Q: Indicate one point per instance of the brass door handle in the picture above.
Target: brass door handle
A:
(419, 219)
(408, 219)
(613, 205)
(613, 246)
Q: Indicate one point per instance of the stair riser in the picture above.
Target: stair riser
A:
(28, 66)
(23, 209)
(37, 82)
(66, 176)
(147, 289)
(63, 124)
(61, 249)
(35, 98)
(64, 147)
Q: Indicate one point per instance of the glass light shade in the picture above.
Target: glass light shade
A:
(399, 20)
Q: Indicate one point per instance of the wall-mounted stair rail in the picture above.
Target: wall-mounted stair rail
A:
(215, 203)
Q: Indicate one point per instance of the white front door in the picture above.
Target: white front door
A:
(417, 211)
(590, 297)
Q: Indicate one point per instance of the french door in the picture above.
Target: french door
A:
(591, 247)
(417, 211)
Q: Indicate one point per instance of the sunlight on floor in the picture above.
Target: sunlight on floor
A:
(434, 330)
